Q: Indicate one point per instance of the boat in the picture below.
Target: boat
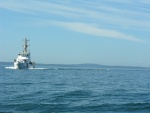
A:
(23, 61)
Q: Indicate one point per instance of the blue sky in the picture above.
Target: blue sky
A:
(109, 32)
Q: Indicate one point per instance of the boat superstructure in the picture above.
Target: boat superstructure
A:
(23, 60)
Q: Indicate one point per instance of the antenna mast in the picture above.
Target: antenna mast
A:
(25, 45)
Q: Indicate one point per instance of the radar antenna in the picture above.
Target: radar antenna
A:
(25, 45)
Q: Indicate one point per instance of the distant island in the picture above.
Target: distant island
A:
(88, 65)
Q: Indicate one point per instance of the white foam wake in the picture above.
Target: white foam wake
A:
(10, 68)
(28, 68)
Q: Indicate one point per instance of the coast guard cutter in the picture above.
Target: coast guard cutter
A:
(23, 60)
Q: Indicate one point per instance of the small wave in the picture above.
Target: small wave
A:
(131, 107)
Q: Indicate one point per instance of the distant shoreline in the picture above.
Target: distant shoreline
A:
(82, 65)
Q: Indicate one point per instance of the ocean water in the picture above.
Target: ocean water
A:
(74, 89)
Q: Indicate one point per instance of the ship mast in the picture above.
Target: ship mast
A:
(25, 45)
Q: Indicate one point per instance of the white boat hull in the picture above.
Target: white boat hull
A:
(20, 65)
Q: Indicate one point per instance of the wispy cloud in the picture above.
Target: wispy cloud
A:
(95, 31)
(101, 11)
(146, 2)
(103, 14)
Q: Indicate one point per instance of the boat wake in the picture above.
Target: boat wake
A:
(10, 67)
(28, 68)
(59, 68)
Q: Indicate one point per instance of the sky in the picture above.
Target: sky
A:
(107, 32)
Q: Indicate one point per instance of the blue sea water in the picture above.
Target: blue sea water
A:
(74, 89)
